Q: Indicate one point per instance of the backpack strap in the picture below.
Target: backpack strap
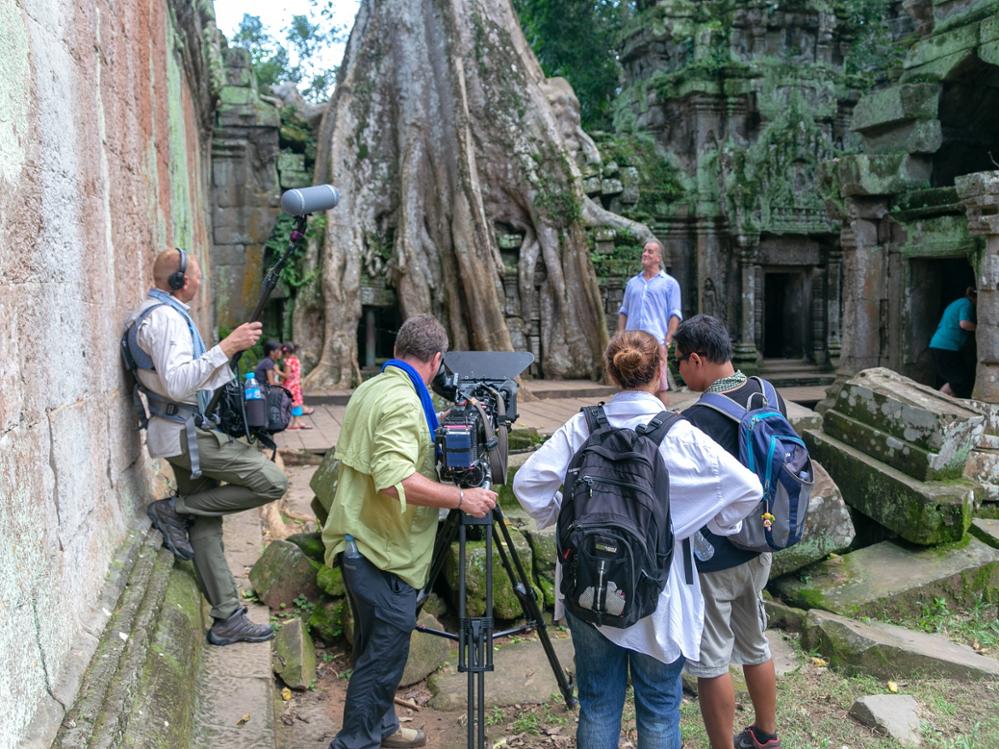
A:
(656, 431)
(660, 424)
(688, 566)
(135, 357)
(769, 392)
(595, 417)
(723, 405)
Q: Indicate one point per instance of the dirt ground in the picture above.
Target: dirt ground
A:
(813, 701)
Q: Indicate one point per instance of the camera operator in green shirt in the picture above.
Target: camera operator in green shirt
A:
(382, 525)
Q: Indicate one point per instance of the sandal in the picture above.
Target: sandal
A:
(304, 426)
(308, 411)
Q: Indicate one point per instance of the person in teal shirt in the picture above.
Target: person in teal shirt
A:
(382, 524)
(952, 335)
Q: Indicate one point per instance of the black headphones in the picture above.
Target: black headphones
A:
(176, 280)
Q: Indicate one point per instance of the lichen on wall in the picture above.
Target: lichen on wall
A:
(92, 185)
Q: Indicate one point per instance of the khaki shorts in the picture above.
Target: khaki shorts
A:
(734, 619)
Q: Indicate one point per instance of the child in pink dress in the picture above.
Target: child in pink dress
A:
(293, 383)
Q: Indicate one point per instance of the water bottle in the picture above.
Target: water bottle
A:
(256, 407)
(703, 549)
(351, 554)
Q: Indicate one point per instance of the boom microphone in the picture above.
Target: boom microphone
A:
(310, 199)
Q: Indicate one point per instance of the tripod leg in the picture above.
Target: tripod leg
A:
(442, 545)
(525, 593)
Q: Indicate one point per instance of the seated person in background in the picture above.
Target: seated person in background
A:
(267, 371)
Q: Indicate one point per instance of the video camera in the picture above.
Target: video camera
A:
(472, 439)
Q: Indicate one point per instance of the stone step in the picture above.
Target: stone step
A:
(911, 412)
(522, 675)
(788, 365)
(799, 378)
(887, 651)
(911, 459)
(983, 467)
(235, 686)
(922, 512)
(127, 696)
(890, 579)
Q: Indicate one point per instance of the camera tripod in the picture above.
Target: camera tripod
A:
(476, 633)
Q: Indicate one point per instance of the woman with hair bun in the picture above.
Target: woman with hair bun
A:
(707, 486)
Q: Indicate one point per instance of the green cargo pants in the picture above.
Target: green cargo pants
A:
(250, 481)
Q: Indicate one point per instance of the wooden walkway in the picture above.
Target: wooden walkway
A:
(552, 405)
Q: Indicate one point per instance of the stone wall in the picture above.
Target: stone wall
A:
(912, 240)
(105, 115)
(245, 189)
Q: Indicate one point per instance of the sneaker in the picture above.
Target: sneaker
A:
(239, 628)
(747, 740)
(405, 738)
(171, 526)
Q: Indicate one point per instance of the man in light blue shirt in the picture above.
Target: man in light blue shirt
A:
(652, 303)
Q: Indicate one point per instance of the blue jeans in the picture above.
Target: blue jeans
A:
(602, 678)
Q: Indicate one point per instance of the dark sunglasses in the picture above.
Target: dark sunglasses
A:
(687, 356)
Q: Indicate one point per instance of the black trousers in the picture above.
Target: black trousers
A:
(384, 609)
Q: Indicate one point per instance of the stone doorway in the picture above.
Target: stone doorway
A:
(786, 314)
(376, 335)
(969, 107)
(934, 283)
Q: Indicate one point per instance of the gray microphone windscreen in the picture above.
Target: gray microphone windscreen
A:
(304, 200)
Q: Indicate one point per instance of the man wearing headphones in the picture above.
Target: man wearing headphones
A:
(178, 375)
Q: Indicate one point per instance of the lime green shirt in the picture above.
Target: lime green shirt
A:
(383, 440)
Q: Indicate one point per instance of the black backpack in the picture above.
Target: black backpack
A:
(230, 415)
(614, 535)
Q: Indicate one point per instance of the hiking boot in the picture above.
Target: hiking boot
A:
(747, 740)
(171, 526)
(405, 738)
(239, 628)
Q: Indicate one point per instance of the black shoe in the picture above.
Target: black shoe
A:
(172, 527)
(238, 628)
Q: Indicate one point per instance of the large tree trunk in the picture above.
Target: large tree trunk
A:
(442, 133)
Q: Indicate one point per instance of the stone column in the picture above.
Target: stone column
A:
(820, 302)
(746, 356)
(245, 190)
(833, 270)
(980, 195)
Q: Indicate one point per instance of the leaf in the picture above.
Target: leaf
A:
(244, 720)
(893, 687)
(286, 694)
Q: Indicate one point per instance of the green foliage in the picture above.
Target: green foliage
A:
(576, 39)
(292, 274)
(250, 357)
(269, 58)
(556, 198)
(873, 56)
(304, 40)
(659, 181)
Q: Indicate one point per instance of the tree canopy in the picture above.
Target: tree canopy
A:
(303, 36)
(577, 39)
